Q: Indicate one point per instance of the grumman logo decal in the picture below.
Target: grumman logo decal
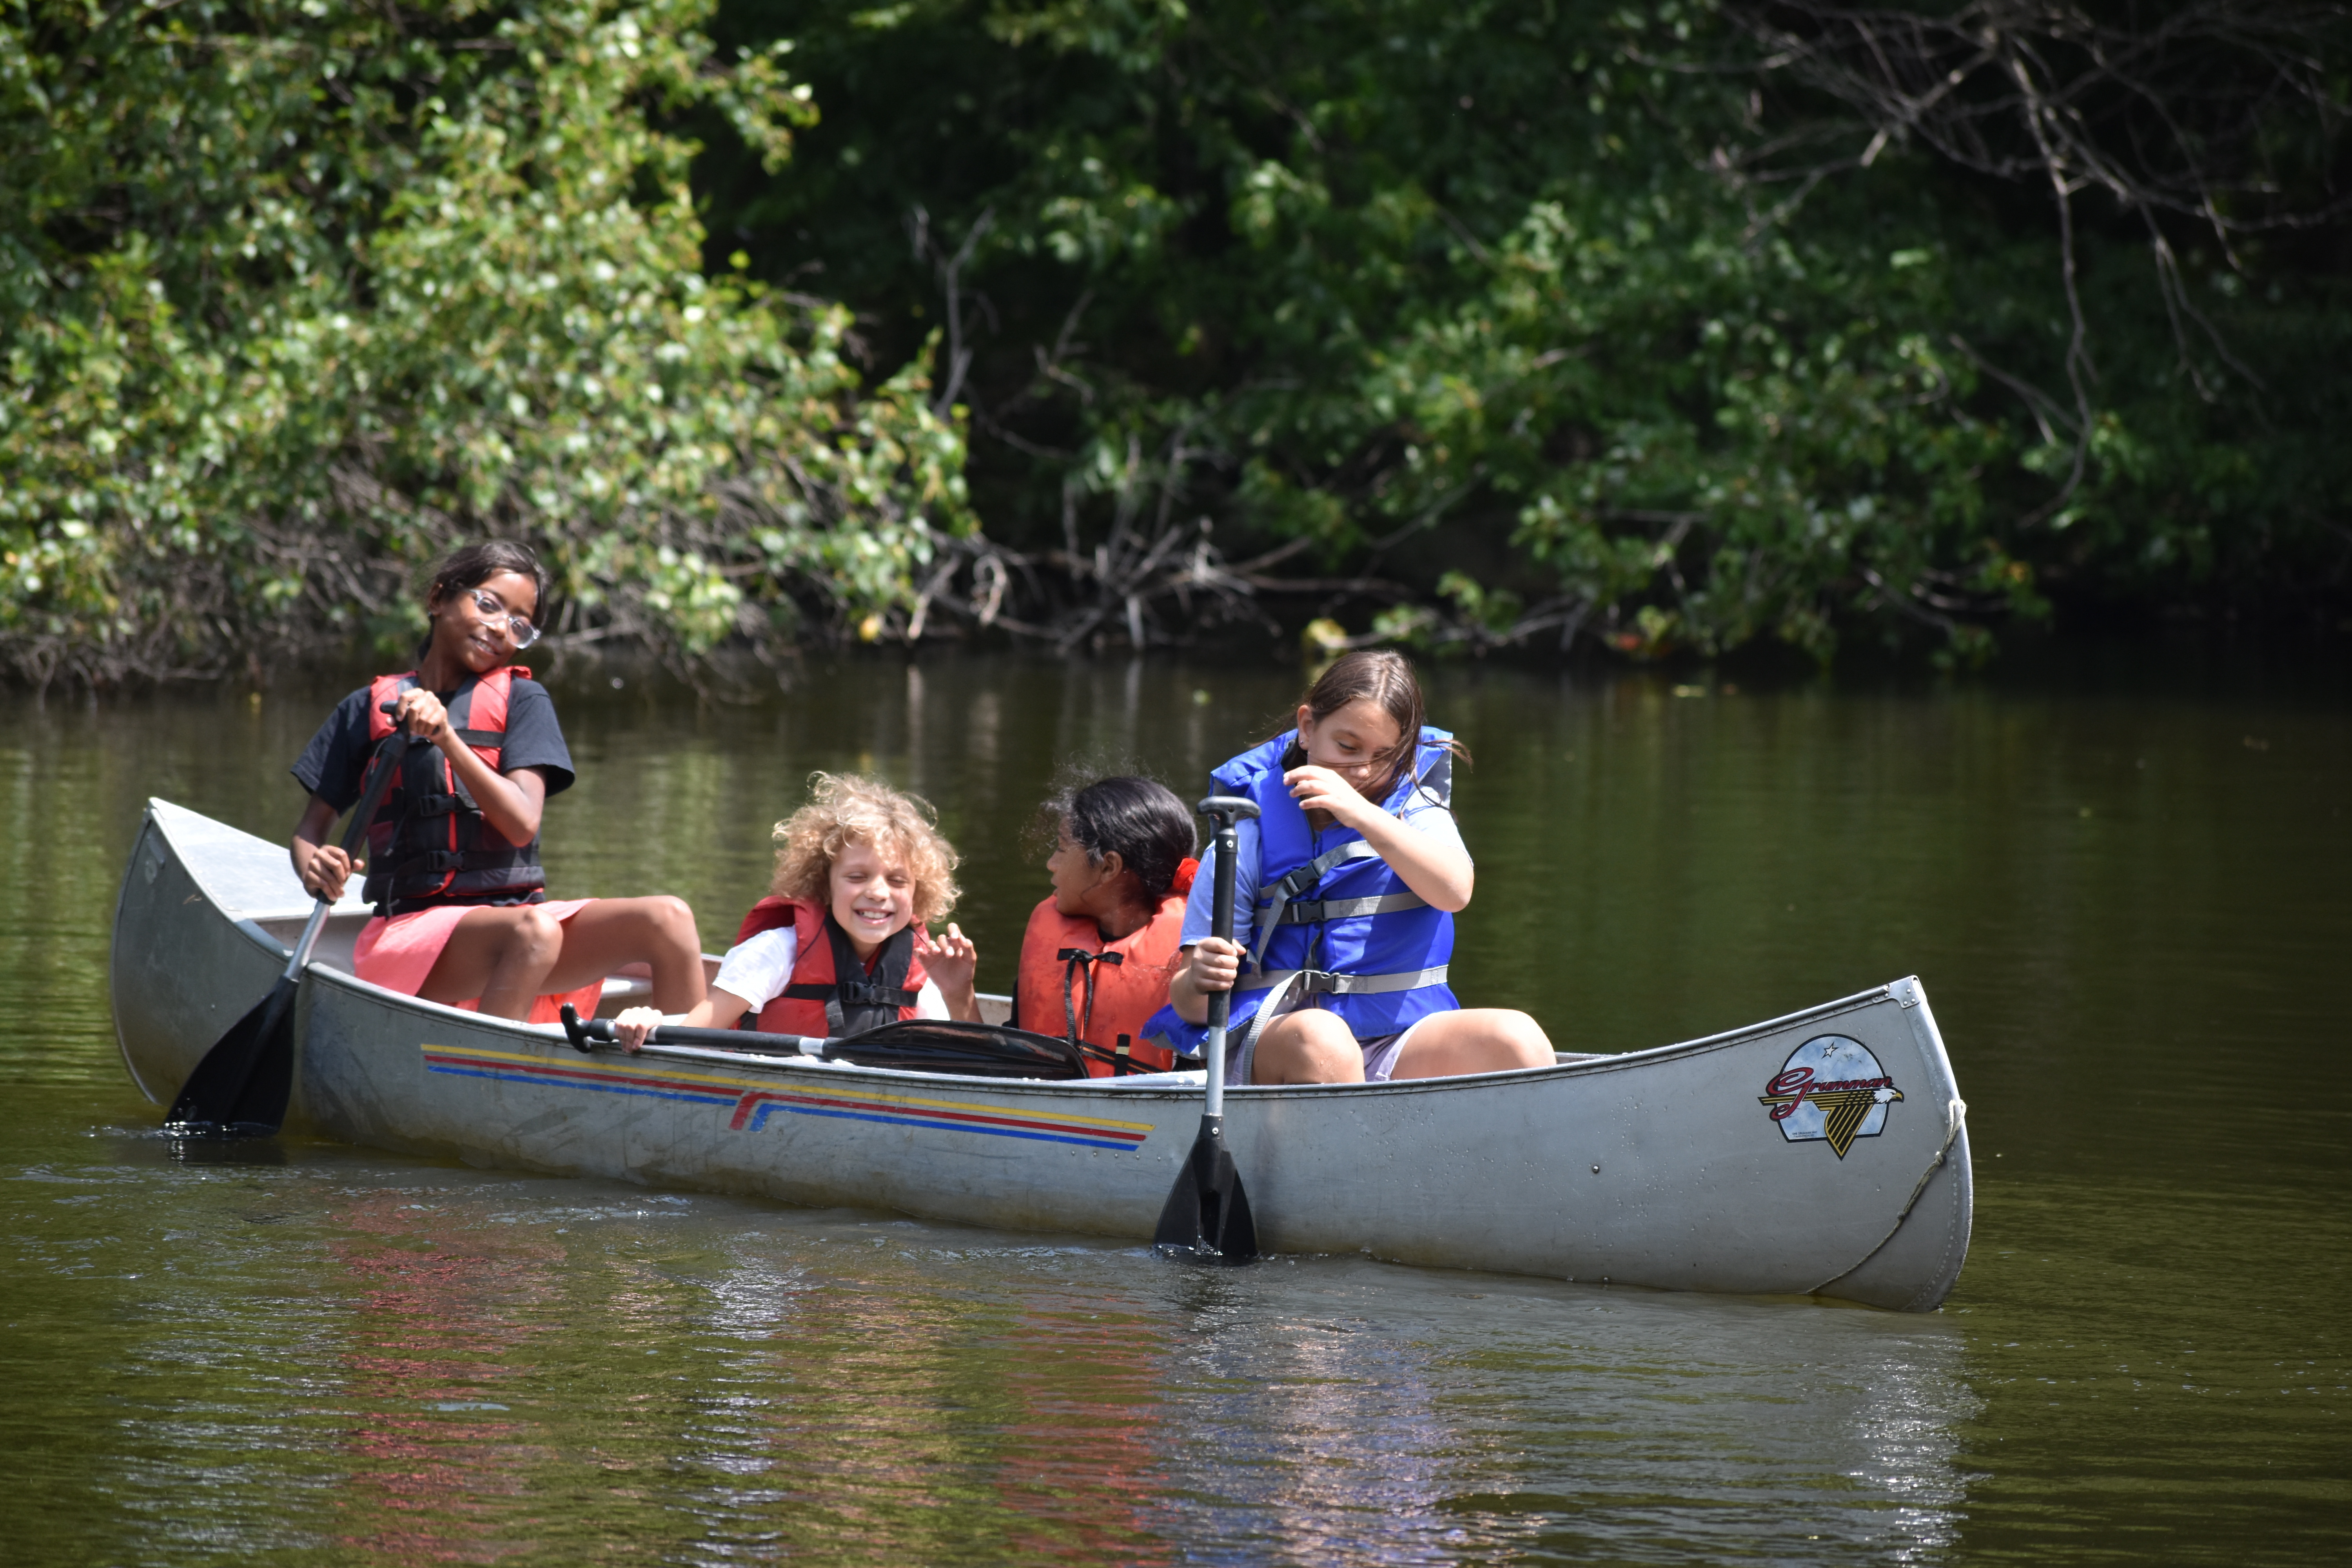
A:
(1832, 1089)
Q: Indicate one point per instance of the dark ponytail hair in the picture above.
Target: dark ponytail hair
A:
(1386, 679)
(1139, 820)
(471, 566)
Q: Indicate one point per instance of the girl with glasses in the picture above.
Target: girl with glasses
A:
(452, 866)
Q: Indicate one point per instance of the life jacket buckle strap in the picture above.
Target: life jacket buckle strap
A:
(1079, 961)
(859, 994)
(1349, 909)
(433, 805)
(1313, 982)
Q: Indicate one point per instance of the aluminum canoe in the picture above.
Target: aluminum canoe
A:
(1825, 1152)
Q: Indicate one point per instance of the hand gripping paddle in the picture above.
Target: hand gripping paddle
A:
(1207, 1217)
(241, 1086)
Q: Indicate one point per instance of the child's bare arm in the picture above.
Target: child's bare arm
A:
(1207, 965)
(323, 867)
(716, 1010)
(952, 961)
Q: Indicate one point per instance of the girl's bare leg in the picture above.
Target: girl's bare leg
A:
(510, 956)
(1308, 1047)
(656, 930)
(500, 954)
(1473, 1039)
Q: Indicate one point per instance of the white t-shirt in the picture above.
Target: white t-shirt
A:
(759, 970)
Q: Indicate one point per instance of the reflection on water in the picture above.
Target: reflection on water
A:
(418, 1365)
(2127, 915)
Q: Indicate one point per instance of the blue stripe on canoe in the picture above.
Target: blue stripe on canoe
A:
(702, 1098)
(759, 1117)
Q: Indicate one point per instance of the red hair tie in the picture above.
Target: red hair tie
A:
(1186, 869)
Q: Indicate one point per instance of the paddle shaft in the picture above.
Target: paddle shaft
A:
(362, 816)
(579, 1031)
(1221, 1002)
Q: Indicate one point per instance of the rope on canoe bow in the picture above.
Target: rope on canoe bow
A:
(1955, 1112)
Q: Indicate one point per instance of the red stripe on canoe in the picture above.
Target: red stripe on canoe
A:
(895, 1108)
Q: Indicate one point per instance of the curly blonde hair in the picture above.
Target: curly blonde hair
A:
(852, 810)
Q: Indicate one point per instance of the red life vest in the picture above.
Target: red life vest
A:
(430, 843)
(1075, 985)
(816, 1001)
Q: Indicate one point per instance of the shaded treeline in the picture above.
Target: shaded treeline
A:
(1678, 325)
(1675, 327)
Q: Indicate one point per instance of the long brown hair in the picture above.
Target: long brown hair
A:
(1386, 679)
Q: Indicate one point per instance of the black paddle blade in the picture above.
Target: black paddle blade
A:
(1207, 1217)
(241, 1088)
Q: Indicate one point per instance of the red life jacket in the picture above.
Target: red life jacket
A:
(816, 1000)
(430, 843)
(1097, 994)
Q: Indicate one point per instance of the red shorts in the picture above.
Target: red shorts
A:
(399, 953)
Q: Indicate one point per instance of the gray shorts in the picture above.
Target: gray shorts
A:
(1380, 1054)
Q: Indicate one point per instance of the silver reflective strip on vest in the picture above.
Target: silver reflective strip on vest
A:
(1270, 908)
(1347, 909)
(1316, 981)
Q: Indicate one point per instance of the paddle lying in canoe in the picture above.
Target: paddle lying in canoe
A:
(241, 1086)
(1207, 1216)
(914, 1044)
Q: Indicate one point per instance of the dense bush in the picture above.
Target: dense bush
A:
(293, 295)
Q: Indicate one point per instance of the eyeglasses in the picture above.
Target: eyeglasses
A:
(520, 631)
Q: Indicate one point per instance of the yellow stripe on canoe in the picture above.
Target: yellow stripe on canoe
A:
(716, 1080)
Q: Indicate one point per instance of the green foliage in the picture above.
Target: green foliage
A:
(1482, 314)
(292, 296)
(1473, 291)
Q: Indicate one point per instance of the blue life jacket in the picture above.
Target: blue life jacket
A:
(1334, 926)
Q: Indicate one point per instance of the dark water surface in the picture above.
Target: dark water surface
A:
(2126, 893)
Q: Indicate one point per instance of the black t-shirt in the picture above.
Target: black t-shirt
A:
(333, 764)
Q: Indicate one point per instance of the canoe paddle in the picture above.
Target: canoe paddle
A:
(918, 1044)
(241, 1086)
(1207, 1217)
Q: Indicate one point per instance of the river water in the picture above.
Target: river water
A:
(2124, 886)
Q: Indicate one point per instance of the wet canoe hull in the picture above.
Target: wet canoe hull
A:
(1663, 1168)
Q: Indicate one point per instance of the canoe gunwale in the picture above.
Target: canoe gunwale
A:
(542, 1035)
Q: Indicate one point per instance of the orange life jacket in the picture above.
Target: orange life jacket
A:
(1073, 983)
(816, 1001)
(429, 842)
